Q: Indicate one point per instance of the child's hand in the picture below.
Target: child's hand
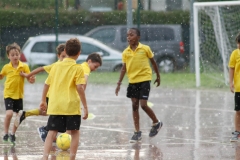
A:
(85, 116)
(24, 74)
(31, 79)
(43, 106)
(231, 87)
(1, 76)
(157, 81)
(117, 89)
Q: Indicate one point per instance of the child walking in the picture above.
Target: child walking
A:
(234, 80)
(136, 64)
(13, 87)
(64, 83)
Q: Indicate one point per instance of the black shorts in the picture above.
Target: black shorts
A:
(139, 90)
(61, 123)
(13, 104)
(237, 101)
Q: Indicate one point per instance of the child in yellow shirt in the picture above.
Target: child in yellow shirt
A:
(13, 87)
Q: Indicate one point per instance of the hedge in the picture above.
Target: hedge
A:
(46, 18)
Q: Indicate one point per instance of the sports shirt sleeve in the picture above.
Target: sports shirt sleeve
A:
(232, 60)
(3, 71)
(149, 52)
(48, 68)
(26, 69)
(79, 77)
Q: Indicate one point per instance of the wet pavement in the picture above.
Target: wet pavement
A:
(197, 125)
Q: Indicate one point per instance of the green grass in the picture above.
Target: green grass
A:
(169, 80)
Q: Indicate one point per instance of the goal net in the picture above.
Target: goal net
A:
(216, 25)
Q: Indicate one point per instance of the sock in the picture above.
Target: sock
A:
(34, 112)
(154, 124)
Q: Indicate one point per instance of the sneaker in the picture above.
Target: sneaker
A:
(19, 118)
(136, 137)
(12, 138)
(155, 129)
(235, 136)
(42, 133)
(5, 138)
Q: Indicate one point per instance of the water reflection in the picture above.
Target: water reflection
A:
(237, 151)
(149, 152)
(9, 152)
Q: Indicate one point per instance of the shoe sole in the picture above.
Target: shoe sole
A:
(157, 130)
(17, 120)
(134, 141)
(39, 134)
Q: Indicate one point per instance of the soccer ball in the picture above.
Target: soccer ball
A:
(64, 141)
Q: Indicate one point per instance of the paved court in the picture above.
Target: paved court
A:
(197, 125)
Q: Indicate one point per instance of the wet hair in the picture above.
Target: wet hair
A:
(12, 46)
(60, 48)
(95, 58)
(72, 47)
(238, 38)
(136, 30)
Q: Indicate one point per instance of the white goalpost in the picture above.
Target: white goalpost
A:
(216, 25)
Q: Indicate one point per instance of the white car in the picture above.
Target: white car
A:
(41, 50)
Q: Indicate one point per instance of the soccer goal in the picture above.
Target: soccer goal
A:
(216, 25)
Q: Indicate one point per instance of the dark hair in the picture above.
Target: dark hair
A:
(12, 46)
(72, 47)
(60, 48)
(238, 38)
(95, 57)
(136, 30)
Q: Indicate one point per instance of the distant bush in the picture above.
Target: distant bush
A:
(46, 18)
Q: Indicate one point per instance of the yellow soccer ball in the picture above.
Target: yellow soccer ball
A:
(64, 141)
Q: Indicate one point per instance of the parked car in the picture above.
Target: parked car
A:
(164, 40)
(41, 51)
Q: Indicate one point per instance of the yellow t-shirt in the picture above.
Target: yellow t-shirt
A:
(137, 63)
(234, 62)
(63, 78)
(14, 84)
(86, 68)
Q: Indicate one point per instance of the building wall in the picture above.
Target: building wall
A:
(165, 5)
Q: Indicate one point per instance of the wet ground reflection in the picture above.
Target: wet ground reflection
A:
(197, 125)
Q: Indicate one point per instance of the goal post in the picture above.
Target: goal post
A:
(216, 25)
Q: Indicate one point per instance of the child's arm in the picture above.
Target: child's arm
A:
(31, 79)
(43, 104)
(231, 76)
(1, 76)
(81, 93)
(86, 79)
(122, 74)
(156, 71)
(35, 71)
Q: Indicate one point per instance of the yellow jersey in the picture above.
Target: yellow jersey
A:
(62, 81)
(86, 68)
(14, 84)
(137, 63)
(234, 62)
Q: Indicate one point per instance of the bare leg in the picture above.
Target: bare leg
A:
(48, 144)
(148, 110)
(135, 113)
(7, 120)
(74, 143)
(237, 121)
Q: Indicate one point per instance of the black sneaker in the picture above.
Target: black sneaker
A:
(5, 138)
(19, 118)
(136, 137)
(12, 138)
(155, 129)
(42, 133)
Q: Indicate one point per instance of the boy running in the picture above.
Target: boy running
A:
(234, 80)
(136, 64)
(65, 85)
(13, 87)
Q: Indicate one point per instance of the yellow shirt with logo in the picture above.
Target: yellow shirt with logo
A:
(137, 63)
(62, 79)
(234, 62)
(14, 84)
(86, 68)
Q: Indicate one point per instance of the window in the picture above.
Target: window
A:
(88, 49)
(161, 34)
(104, 35)
(45, 47)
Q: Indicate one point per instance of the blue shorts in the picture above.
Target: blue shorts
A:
(139, 90)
